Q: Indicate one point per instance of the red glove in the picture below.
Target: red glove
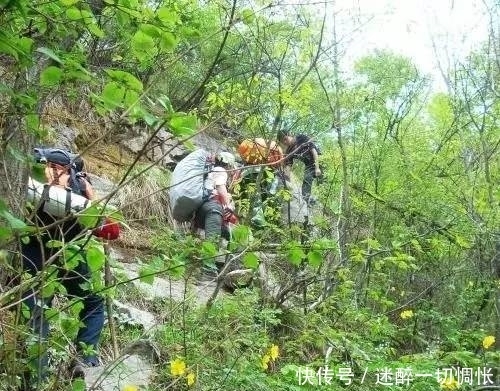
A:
(229, 217)
(109, 229)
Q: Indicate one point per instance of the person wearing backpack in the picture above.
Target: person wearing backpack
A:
(262, 163)
(302, 148)
(218, 207)
(62, 176)
(199, 193)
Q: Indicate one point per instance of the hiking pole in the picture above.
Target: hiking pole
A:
(109, 304)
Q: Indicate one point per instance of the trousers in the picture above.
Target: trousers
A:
(34, 254)
(209, 218)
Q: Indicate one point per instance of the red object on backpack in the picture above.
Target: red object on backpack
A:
(109, 229)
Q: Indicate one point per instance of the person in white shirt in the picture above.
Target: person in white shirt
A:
(209, 215)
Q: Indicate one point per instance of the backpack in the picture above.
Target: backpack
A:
(258, 151)
(187, 186)
(56, 200)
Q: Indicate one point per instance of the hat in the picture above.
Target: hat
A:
(282, 133)
(227, 158)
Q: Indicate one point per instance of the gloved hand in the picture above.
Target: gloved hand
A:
(229, 216)
(108, 229)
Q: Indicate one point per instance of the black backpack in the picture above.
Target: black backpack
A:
(65, 158)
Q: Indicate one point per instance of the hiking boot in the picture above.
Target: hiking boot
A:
(76, 370)
(78, 365)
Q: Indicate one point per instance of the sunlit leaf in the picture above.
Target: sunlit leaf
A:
(168, 41)
(247, 16)
(295, 256)
(314, 258)
(183, 125)
(146, 275)
(251, 260)
(69, 3)
(142, 42)
(167, 16)
(51, 76)
(150, 30)
(13, 222)
(95, 257)
(112, 95)
(95, 30)
(73, 13)
(49, 53)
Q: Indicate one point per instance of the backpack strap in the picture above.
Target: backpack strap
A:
(67, 206)
(209, 164)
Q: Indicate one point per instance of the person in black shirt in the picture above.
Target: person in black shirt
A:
(302, 148)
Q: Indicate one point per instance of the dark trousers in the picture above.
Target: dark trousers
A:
(209, 218)
(35, 253)
(309, 176)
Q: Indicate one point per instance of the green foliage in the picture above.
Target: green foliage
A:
(410, 253)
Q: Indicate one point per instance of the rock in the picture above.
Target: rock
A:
(126, 370)
(203, 140)
(102, 186)
(238, 278)
(168, 289)
(163, 148)
(130, 315)
(65, 136)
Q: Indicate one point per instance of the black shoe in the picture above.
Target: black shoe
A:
(76, 370)
(78, 366)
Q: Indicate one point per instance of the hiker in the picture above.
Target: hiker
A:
(199, 193)
(262, 164)
(301, 147)
(61, 176)
(218, 210)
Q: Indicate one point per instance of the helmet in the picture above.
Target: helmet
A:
(227, 158)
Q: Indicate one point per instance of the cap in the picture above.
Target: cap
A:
(282, 133)
(227, 158)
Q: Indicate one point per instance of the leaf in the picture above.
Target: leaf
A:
(183, 125)
(51, 76)
(146, 275)
(314, 258)
(462, 242)
(247, 16)
(78, 385)
(32, 123)
(5, 234)
(112, 95)
(122, 77)
(54, 244)
(90, 216)
(24, 45)
(68, 3)
(95, 257)
(49, 53)
(241, 235)
(131, 98)
(12, 221)
(295, 256)
(95, 30)
(168, 41)
(142, 43)
(74, 13)
(251, 260)
(150, 30)
(167, 16)
(208, 249)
